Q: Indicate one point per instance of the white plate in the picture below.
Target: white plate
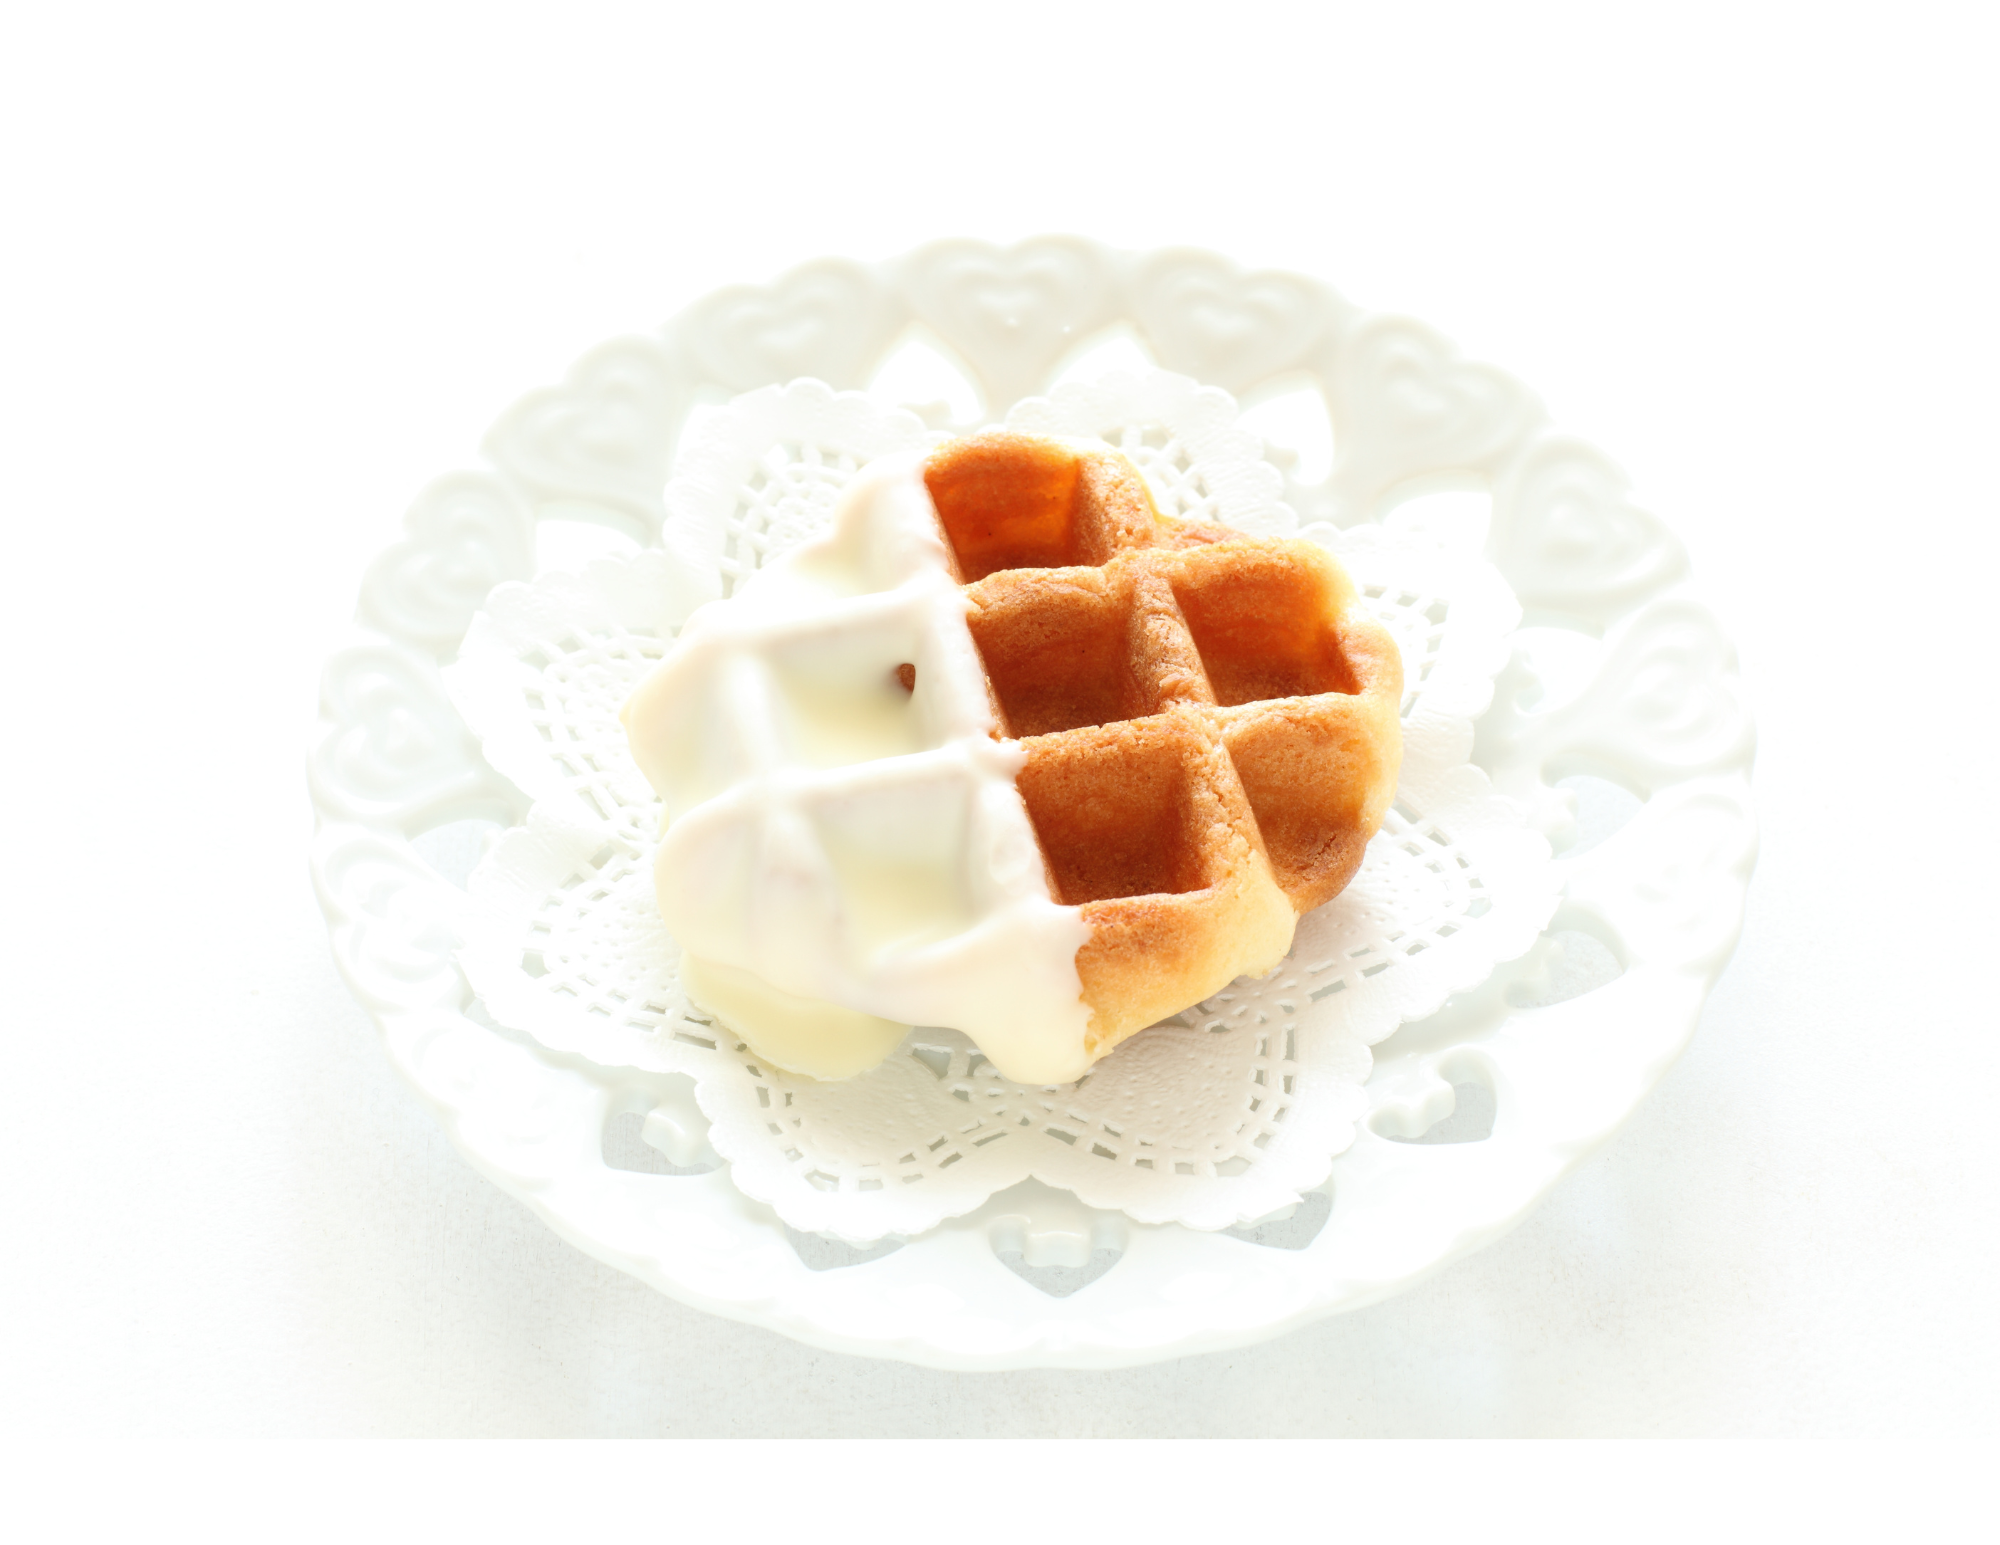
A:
(1622, 690)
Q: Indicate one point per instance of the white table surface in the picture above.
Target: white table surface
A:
(267, 277)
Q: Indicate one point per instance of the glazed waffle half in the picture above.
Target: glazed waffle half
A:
(1210, 720)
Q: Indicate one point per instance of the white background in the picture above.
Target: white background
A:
(269, 270)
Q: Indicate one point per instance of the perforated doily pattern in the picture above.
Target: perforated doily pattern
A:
(1417, 622)
(1222, 1116)
(788, 497)
(1179, 488)
(1184, 437)
(743, 495)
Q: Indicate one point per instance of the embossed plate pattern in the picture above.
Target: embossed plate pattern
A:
(1622, 690)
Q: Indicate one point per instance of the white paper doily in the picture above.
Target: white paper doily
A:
(1222, 1116)
(1619, 697)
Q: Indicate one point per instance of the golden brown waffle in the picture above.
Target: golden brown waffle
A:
(1210, 720)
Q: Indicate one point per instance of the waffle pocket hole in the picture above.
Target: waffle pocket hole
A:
(1304, 782)
(1007, 502)
(1258, 620)
(1055, 649)
(1115, 811)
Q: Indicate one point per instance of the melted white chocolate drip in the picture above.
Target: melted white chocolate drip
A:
(844, 857)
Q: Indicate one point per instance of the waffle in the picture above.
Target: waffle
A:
(1005, 750)
(1209, 720)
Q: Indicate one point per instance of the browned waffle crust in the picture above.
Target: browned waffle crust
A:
(1210, 720)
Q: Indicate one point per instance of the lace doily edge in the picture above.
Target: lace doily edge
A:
(1299, 1160)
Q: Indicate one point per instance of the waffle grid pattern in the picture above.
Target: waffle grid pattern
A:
(1191, 703)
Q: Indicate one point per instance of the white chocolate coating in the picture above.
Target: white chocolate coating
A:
(843, 856)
